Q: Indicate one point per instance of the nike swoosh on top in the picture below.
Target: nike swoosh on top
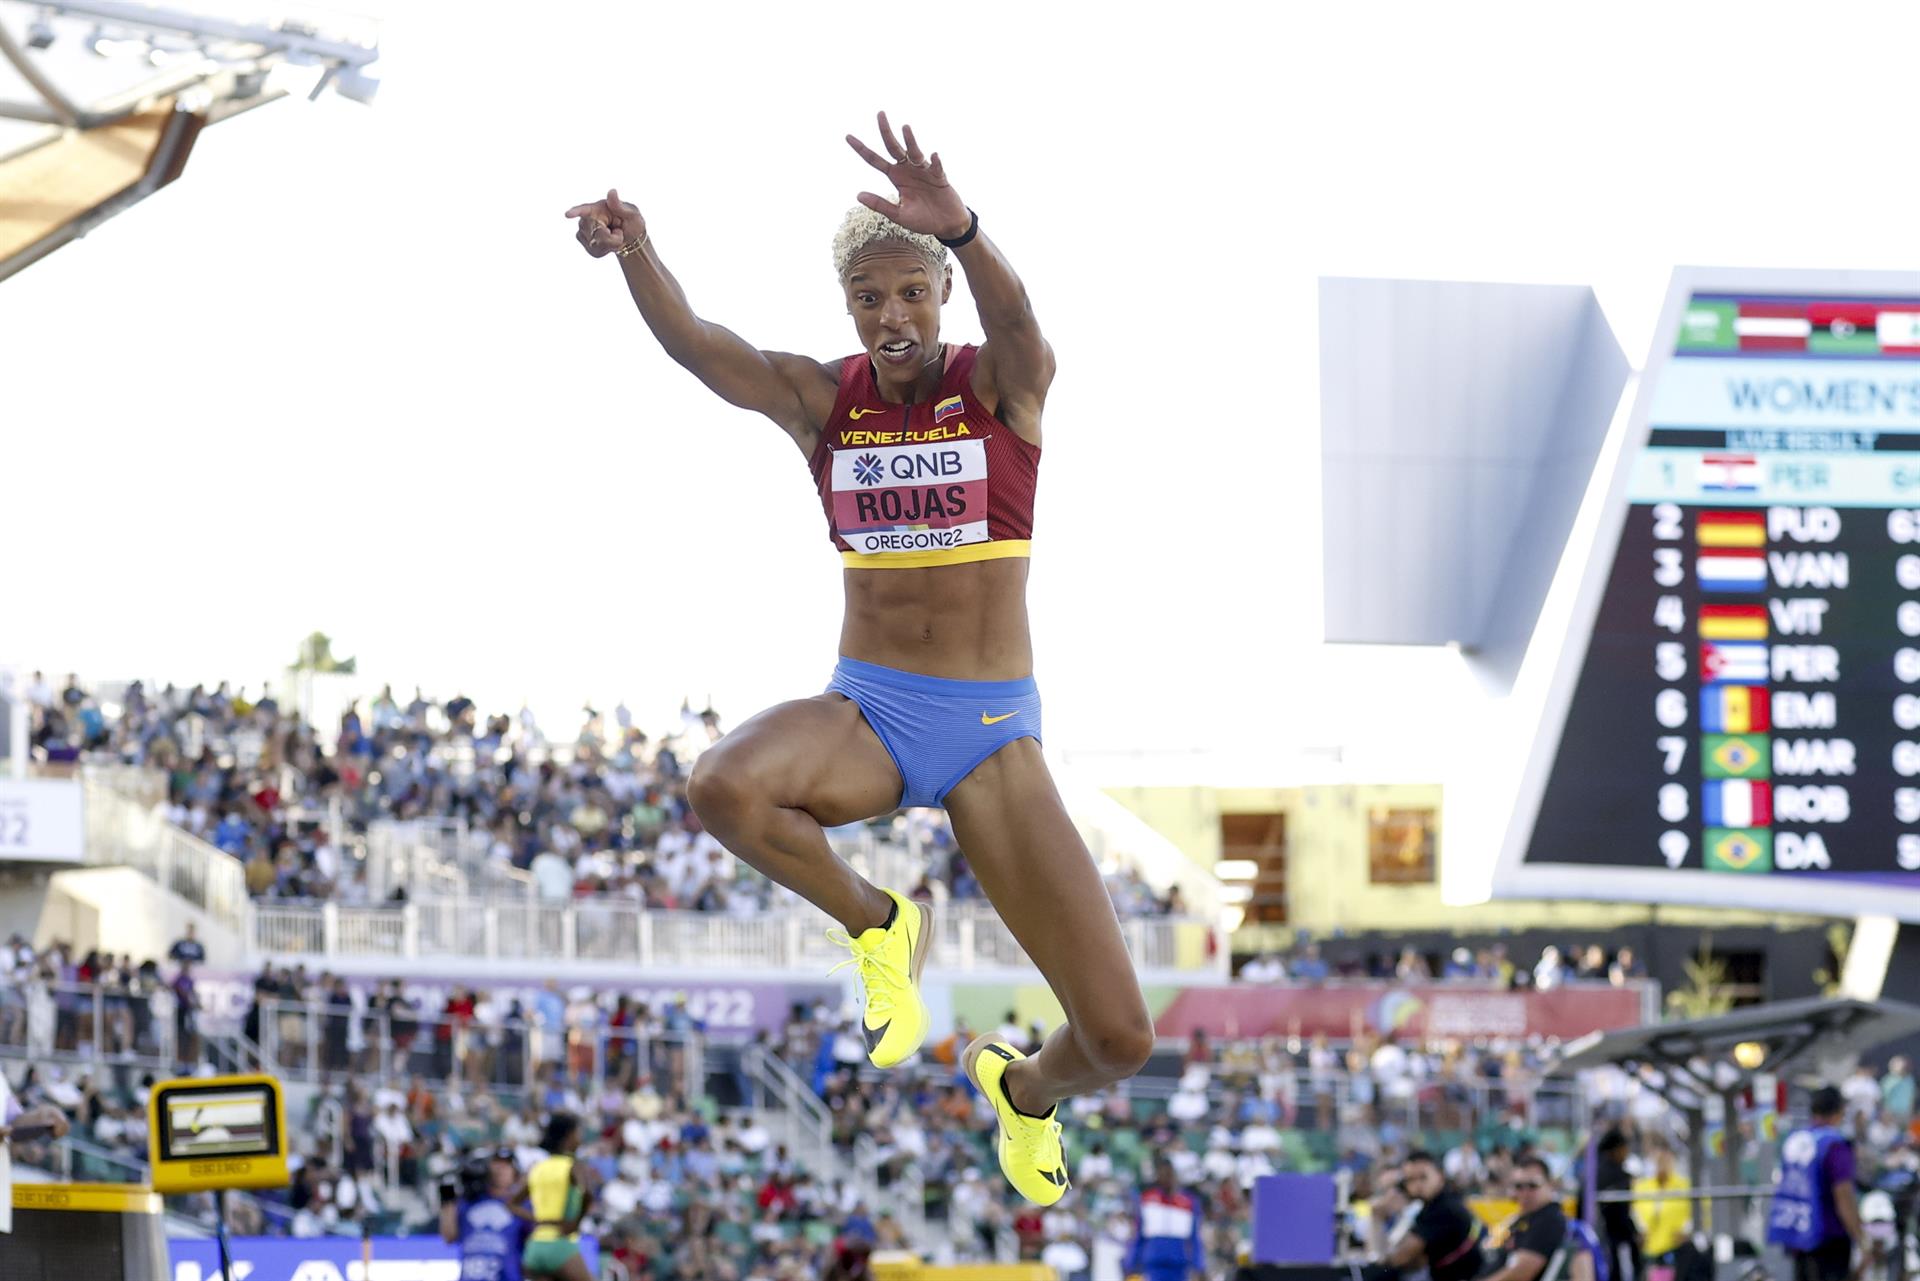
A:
(861, 413)
(874, 1035)
(994, 720)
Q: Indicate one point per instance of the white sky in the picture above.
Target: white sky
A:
(362, 379)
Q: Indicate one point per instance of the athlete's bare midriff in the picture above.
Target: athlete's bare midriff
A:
(963, 622)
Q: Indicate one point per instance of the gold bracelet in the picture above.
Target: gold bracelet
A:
(629, 250)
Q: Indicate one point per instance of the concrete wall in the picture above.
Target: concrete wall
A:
(1328, 883)
(115, 909)
(33, 905)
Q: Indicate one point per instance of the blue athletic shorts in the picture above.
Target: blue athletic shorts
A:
(937, 730)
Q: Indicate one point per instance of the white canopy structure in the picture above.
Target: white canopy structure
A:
(100, 103)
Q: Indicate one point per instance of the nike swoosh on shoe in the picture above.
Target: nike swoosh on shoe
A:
(874, 1035)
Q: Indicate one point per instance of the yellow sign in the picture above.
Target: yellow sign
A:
(897, 1268)
(207, 1133)
(108, 1198)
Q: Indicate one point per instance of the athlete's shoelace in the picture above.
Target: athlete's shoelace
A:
(874, 971)
(1042, 1147)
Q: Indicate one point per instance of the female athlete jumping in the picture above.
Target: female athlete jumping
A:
(925, 455)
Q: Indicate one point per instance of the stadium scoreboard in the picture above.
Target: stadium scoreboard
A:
(209, 1133)
(1735, 715)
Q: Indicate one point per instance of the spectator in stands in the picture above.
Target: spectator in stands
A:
(1307, 965)
(1626, 968)
(21, 1124)
(1392, 1214)
(1463, 1165)
(1541, 1228)
(1445, 1235)
(390, 1127)
(186, 1009)
(1897, 1093)
(187, 949)
(1619, 1232)
(1664, 1221)
(1862, 1094)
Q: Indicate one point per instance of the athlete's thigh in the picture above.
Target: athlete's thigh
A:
(814, 754)
(1027, 855)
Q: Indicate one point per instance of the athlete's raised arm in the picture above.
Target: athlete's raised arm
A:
(1016, 364)
(795, 391)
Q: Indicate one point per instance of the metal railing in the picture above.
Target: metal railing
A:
(908, 1190)
(308, 1041)
(136, 1027)
(122, 832)
(438, 859)
(1329, 1101)
(615, 930)
(75, 1160)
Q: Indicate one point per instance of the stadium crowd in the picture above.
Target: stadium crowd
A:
(606, 813)
(672, 1167)
(689, 1184)
(1490, 965)
(98, 1002)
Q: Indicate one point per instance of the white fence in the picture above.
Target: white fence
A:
(513, 926)
(124, 832)
(312, 1041)
(605, 930)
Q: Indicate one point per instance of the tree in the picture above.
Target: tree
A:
(1705, 994)
(316, 655)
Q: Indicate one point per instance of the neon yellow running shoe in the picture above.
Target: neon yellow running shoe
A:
(1028, 1146)
(890, 959)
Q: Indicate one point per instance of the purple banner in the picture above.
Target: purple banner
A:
(726, 1009)
(419, 1258)
(1293, 1218)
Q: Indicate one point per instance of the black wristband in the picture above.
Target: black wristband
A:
(973, 229)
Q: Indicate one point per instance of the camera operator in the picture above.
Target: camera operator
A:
(1444, 1236)
(1392, 1215)
(476, 1214)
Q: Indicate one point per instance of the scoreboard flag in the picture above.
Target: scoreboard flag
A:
(1733, 622)
(1843, 329)
(1739, 850)
(1707, 325)
(1735, 709)
(1735, 756)
(1731, 529)
(1733, 661)
(1732, 569)
(1898, 331)
(1736, 802)
(1729, 473)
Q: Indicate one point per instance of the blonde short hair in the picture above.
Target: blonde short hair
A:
(863, 226)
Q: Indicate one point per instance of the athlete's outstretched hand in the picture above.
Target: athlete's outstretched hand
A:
(606, 225)
(927, 203)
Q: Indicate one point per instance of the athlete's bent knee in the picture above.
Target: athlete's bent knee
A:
(718, 789)
(1118, 1047)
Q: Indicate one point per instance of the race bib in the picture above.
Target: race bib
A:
(911, 498)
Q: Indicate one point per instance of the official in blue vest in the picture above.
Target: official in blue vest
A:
(1816, 1210)
(1166, 1230)
(476, 1215)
